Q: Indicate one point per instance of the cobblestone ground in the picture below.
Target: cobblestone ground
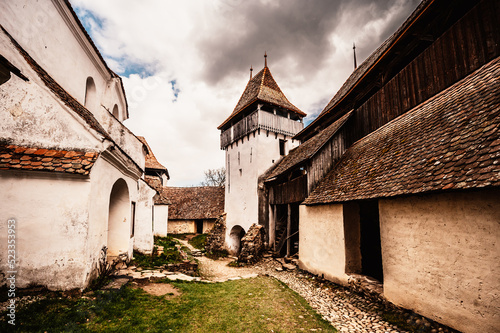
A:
(345, 310)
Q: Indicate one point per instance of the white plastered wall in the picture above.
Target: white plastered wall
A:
(143, 239)
(441, 256)
(322, 243)
(160, 220)
(245, 162)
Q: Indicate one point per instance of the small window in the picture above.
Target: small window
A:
(90, 94)
(132, 231)
(282, 147)
(115, 112)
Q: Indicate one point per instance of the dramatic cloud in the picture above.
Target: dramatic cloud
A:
(186, 63)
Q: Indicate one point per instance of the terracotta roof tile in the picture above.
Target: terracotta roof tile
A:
(30, 158)
(262, 87)
(448, 142)
(191, 203)
(308, 149)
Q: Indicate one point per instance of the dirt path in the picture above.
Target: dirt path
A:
(218, 270)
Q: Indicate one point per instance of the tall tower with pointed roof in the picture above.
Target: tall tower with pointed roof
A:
(256, 134)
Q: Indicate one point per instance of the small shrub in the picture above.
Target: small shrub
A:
(216, 254)
(199, 241)
(105, 270)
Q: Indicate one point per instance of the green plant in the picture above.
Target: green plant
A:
(199, 241)
(105, 270)
(216, 254)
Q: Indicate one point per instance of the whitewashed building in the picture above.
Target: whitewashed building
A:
(257, 134)
(69, 168)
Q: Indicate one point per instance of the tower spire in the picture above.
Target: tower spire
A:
(251, 71)
(265, 58)
(354, 50)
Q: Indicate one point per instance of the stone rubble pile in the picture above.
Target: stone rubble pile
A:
(217, 236)
(252, 244)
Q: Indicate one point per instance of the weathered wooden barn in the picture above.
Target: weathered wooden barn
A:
(400, 172)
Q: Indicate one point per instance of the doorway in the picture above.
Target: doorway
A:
(370, 244)
(199, 226)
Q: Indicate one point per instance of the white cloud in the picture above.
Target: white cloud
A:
(207, 48)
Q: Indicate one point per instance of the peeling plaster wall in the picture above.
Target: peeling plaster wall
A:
(160, 220)
(52, 41)
(441, 256)
(51, 231)
(45, 45)
(257, 153)
(321, 241)
(143, 239)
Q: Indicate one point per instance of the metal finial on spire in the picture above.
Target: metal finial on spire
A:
(265, 58)
(251, 70)
(354, 50)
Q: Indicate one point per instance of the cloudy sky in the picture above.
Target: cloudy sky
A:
(185, 64)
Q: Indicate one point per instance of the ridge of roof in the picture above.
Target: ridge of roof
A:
(96, 50)
(362, 70)
(151, 161)
(65, 97)
(58, 90)
(262, 87)
(199, 202)
(448, 142)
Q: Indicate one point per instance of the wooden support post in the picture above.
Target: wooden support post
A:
(288, 230)
(272, 227)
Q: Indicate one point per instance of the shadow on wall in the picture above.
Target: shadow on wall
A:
(234, 241)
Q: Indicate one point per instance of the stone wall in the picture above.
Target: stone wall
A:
(252, 244)
(216, 236)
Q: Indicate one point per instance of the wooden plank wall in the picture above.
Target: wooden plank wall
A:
(470, 43)
(323, 161)
(292, 191)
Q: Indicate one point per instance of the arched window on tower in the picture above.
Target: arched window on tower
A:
(116, 113)
(90, 94)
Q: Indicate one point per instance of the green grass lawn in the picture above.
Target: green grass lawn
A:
(261, 304)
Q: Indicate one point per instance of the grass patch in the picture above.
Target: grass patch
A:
(170, 254)
(253, 305)
(199, 241)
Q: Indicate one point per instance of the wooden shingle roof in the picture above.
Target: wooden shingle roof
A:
(308, 149)
(451, 141)
(192, 203)
(151, 161)
(262, 87)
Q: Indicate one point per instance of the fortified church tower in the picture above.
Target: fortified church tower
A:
(257, 133)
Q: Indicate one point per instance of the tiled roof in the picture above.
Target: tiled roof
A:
(451, 141)
(59, 91)
(191, 203)
(151, 161)
(40, 159)
(308, 149)
(262, 87)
